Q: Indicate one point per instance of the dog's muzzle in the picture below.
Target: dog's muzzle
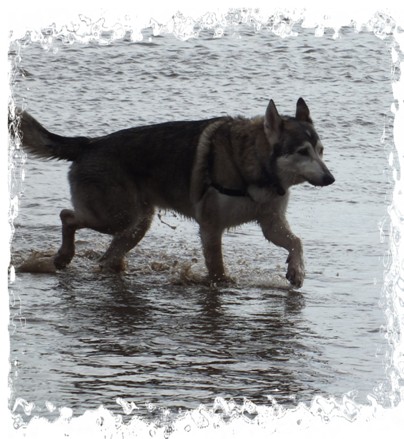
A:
(324, 180)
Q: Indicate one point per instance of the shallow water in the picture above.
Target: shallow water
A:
(155, 335)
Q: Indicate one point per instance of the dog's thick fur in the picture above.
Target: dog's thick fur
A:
(222, 172)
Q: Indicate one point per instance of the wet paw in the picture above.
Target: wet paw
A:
(113, 267)
(295, 274)
(61, 261)
(222, 281)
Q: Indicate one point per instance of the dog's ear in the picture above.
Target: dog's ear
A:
(302, 111)
(273, 123)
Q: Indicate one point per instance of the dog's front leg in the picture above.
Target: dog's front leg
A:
(276, 230)
(211, 239)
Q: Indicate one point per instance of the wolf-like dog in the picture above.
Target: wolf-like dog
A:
(221, 172)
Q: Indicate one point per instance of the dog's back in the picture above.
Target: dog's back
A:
(157, 158)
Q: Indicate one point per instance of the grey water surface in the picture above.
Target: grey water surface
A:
(155, 335)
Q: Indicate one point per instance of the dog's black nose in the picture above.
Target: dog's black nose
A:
(328, 179)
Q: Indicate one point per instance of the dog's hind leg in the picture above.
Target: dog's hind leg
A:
(123, 242)
(69, 226)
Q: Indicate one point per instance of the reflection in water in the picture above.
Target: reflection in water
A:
(189, 345)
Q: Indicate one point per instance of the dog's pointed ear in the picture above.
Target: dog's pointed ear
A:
(302, 111)
(273, 123)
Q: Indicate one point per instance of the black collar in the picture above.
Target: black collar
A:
(244, 192)
(230, 192)
(268, 180)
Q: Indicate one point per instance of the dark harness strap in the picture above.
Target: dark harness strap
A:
(230, 192)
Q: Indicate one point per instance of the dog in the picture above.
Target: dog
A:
(221, 172)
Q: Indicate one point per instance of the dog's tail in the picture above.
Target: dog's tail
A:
(41, 143)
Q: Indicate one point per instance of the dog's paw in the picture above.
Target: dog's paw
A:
(295, 274)
(63, 258)
(220, 281)
(108, 267)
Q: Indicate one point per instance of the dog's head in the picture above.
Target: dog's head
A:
(297, 152)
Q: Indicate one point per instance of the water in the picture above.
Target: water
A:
(155, 336)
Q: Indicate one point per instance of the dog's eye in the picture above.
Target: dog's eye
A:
(321, 151)
(304, 151)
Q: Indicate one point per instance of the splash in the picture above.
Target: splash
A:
(38, 262)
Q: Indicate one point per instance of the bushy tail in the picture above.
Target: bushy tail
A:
(44, 144)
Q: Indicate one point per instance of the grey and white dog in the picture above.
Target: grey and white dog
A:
(221, 172)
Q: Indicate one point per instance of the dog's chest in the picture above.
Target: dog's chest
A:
(234, 211)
